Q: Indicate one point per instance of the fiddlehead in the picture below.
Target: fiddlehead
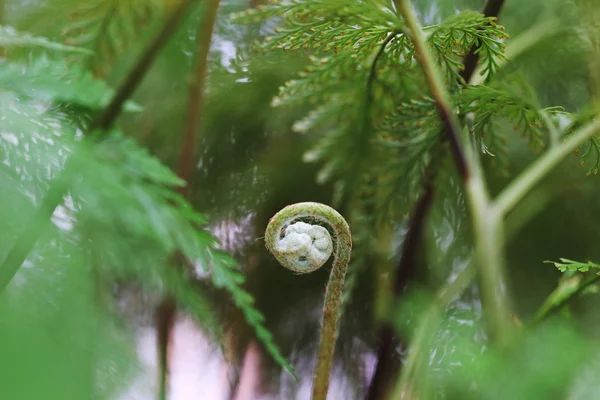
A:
(303, 247)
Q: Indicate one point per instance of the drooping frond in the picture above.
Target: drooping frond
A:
(127, 204)
(590, 150)
(453, 38)
(509, 102)
(108, 28)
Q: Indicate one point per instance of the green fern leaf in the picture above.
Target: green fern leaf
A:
(590, 150)
(512, 102)
(128, 205)
(569, 265)
(453, 39)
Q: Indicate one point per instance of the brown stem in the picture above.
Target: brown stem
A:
(113, 110)
(60, 185)
(191, 133)
(388, 363)
(167, 309)
(491, 9)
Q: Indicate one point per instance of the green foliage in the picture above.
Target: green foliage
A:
(108, 28)
(127, 205)
(509, 101)
(589, 151)
(453, 38)
(363, 107)
(359, 51)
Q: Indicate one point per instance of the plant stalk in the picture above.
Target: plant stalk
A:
(166, 311)
(523, 184)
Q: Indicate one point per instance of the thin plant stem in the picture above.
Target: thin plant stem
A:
(488, 230)
(40, 220)
(566, 292)
(167, 309)
(523, 184)
(305, 248)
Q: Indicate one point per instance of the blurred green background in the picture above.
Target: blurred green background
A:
(63, 333)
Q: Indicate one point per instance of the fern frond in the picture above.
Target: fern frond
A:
(108, 28)
(359, 50)
(590, 150)
(510, 102)
(301, 19)
(10, 37)
(127, 198)
(569, 265)
(31, 131)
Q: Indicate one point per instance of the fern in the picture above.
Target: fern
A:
(590, 150)
(504, 101)
(128, 206)
(108, 28)
(10, 37)
(453, 38)
(359, 50)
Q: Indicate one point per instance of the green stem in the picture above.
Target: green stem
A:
(304, 248)
(566, 291)
(488, 230)
(521, 185)
(487, 224)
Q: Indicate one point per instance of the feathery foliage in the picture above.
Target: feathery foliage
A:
(359, 51)
(508, 101)
(453, 38)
